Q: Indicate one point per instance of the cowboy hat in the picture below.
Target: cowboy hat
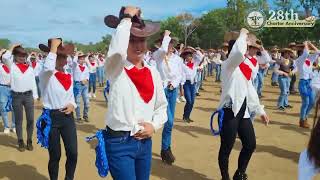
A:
(225, 44)
(274, 49)
(19, 50)
(231, 35)
(287, 50)
(2, 51)
(81, 54)
(67, 49)
(139, 27)
(292, 44)
(187, 51)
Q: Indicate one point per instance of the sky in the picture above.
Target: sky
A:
(31, 22)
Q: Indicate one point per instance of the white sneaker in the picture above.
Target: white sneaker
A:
(182, 99)
(94, 96)
(6, 130)
(89, 95)
(14, 130)
(178, 100)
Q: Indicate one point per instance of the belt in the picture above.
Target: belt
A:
(4, 85)
(113, 133)
(22, 93)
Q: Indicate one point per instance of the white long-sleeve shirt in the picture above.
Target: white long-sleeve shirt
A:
(170, 68)
(306, 168)
(315, 82)
(101, 61)
(236, 81)
(127, 108)
(4, 75)
(56, 87)
(190, 71)
(305, 63)
(37, 67)
(78, 74)
(92, 66)
(261, 60)
(20, 81)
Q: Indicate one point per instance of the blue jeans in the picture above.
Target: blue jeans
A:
(218, 72)
(128, 158)
(198, 81)
(189, 94)
(258, 81)
(100, 74)
(284, 84)
(171, 96)
(38, 87)
(92, 82)
(82, 92)
(210, 69)
(307, 97)
(4, 95)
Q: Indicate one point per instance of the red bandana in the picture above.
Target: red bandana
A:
(81, 68)
(6, 69)
(34, 63)
(142, 79)
(253, 60)
(22, 66)
(308, 62)
(190, 65)
(64, 79)
(246, 70)
(92, 63)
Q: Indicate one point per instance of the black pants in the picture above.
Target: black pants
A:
(293, 83)
(63, 125)
(231, 126)
(20, 101)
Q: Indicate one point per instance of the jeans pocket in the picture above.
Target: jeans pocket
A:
(116, 140)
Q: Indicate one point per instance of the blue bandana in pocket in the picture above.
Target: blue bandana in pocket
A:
(43, 128)
(220, 113)
(101, 154)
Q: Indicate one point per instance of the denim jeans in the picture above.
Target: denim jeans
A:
(129, 158)
(100, 74)
(189, 94)
(284, 84)
(198, 81)
(4, 95)
(92, 82)
(307, 97)
(210, 69)
(258, 81)
(82, 92)
(38, 87)
(218, 72)
(171, 96)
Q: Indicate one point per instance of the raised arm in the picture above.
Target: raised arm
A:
(304, 55)
(7, 57)
(236, 56)
(159, 54)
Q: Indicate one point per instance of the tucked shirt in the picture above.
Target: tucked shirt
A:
(20, 82)
(237, 85)
(56, 93)
(304, 64)
(4, 74)
(190, 71)
(306, 168)
(170, 68)
(126, 108)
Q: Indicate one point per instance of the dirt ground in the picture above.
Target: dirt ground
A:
(196, 150)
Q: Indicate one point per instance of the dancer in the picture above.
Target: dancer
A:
(100, 70)
(24, 91)
(237, 106)
(58, 100)
(137, 104)
(92, 65)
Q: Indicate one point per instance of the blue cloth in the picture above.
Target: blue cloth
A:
(92, 82)
(220, 113)
(258, 81)
(101, 155)
(284, 84)
(307, 97)
(129, 158)
(82, 92)
(189, 94)
(6, 106)
(198, 81)
(106, 90)
(171, 96)
(43, 128)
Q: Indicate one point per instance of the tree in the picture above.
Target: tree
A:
(308, 6)
(189, 24)
(4, 43)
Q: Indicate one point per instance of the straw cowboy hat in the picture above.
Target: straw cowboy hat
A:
(187, 51)
(19, 50)
(139, 27)
(81, 54)
(274, 49)
(287, 50)
(253, 41)
(231, 35)
(67, 49)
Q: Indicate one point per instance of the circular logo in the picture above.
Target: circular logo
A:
(255, 19)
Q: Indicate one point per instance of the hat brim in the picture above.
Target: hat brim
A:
(67, 49)
(150, 27)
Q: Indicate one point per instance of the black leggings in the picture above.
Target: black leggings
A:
(231, 126)
(62, 125)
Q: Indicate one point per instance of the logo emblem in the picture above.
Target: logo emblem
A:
(255, 20)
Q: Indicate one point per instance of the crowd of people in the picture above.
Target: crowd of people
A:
(145, 85)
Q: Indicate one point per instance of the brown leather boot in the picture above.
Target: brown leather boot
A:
(304, 124)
